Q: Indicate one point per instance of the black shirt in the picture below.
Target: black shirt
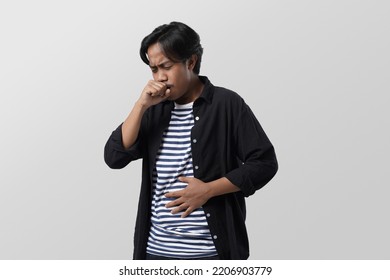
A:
(226, 141)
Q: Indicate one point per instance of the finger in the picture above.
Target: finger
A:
(187, 212)
(164, 92)
(164, 96)
(185, 179)
(151, 91)
(156, 89)
(156, 84)
(174, 203)
(153, 86)
(180, 208)
(160, 87)
(172, 194)
(155, 93)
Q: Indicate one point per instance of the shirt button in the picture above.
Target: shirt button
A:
(208, 215)
(196, 167)
(197, 118)
(215, 237)
(194, 141)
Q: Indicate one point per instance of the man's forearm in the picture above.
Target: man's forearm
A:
(221, 186)
(131, 126)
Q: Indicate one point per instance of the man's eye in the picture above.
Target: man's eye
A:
(154, 70)
(167, 67)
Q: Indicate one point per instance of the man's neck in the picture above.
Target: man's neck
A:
(195, 90)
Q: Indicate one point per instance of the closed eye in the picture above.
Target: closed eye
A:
(162, 66)
(166, 67)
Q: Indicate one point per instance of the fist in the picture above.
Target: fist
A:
(154, 93)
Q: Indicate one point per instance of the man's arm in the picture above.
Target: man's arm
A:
(256, 152)
(121, 148)
(153, 93)
(197, 193)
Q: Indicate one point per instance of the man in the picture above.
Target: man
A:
(203, 152)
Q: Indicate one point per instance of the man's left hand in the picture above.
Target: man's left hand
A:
(195, 195)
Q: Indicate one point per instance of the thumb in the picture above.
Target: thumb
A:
(166, 94)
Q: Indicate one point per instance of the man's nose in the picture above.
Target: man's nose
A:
(162, 76)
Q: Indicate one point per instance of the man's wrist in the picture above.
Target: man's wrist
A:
(210, 190)
(141, 106)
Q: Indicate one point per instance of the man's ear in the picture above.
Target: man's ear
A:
(192, 61)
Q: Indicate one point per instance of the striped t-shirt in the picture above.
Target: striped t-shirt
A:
(170, 235)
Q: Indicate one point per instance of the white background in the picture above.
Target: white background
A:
(315, 73)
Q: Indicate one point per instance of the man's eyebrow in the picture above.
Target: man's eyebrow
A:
(161, 64)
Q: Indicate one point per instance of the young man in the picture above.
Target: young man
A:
(203, 152)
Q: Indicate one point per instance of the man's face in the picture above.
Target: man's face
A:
(176, 75)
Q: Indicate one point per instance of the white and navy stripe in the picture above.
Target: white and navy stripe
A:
(170, 235)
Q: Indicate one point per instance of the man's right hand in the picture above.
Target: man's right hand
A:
(153, 93)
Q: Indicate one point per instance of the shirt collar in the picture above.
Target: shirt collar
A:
(206, 95)
(208, 89)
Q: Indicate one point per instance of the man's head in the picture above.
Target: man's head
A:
(173, 53)
(177, 41)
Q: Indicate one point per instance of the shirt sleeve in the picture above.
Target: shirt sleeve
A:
(254, 149)
(116, 156)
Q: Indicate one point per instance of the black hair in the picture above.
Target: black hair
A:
(178, 42)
